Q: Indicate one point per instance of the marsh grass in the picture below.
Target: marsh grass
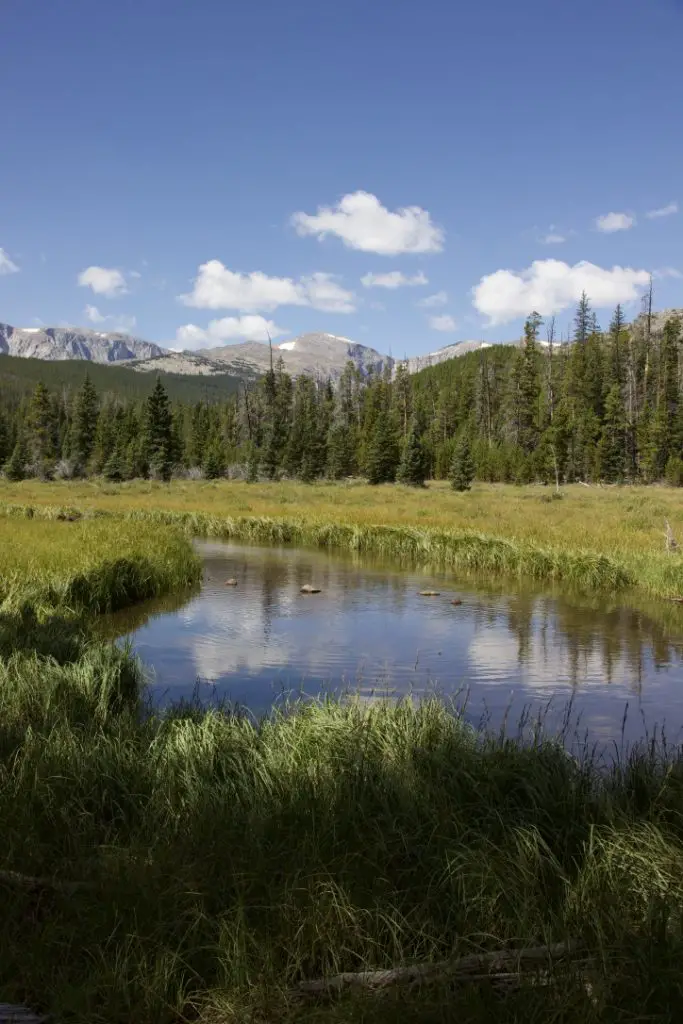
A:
(221, 860)
(229, 859)
(598, 538)
(92, 565)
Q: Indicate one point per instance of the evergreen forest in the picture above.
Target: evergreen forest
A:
(607, 406)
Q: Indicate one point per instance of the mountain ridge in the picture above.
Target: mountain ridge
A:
(56, 343)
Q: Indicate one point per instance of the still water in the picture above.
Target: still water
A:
(507, 646)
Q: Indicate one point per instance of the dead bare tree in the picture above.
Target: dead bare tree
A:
(670, 541)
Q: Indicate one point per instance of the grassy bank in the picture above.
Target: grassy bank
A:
(609, 538)
(201, 866)
(198, 866)
(93, 565)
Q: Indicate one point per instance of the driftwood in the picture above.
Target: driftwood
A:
(500, 964)
(33, 883)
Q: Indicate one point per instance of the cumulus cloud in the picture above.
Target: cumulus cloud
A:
(123, 323)
(216, 287)
(663, 211)
(433, 301)
(103, 281)
(93, 314)
(662, 272)
(611, 222)
(120, 323)
(549, 286)
(228, 328)
(361, 222)
(444, 322)
(7, 266)
(394, 279)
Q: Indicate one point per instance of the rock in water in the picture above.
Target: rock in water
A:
(231, 582)
(430, 593)
(308, 588)
(456, 601)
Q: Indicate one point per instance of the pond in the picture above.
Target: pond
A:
(507, 647)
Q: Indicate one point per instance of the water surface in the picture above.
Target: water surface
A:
(506, 647)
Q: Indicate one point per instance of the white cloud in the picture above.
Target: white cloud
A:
(663, 211)
(442, 323)
(549, 286)
(123, 323)
(216, 287)
(322, 292)
(229, 328)
(361, 222)
(7, 266)
(668, 272)
(611, 222)
(394, 279)
(135, 274)
(93, 314)
(103, 281)
(552, 238)
(432, 301)
(120, 323)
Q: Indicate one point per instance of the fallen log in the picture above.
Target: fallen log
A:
(475, 967)
(34, 883)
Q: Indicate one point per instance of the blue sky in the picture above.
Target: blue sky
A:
(397, 173)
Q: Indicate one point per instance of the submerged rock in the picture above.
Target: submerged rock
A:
(308, 588)
(456, 601)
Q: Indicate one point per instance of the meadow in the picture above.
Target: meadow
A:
(611, 537)
(198, 865)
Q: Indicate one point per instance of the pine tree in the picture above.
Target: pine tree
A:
(413, 466)
(617, 365)
(529, 385)
(84, 425)
(5, 449)
(41, 432)
(340, 452)
(159, 433)
(115, 466)
(462, 466)
(584, 322)
(382, 458)
(612, 444)
(15, 469)
(214, 460)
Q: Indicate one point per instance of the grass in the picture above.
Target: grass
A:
(226, 860)
(196, 865)
(94, 565)
(594, 538)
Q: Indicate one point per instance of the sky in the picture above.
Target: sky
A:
(404, 174)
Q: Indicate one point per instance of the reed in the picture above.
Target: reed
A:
(92, 565)
(594, 538)
(221, 861)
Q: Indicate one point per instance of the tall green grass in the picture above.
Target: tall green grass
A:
(93, 565)
(467, 551)
(226, 860)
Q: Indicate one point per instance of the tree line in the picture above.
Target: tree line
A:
(606, 406)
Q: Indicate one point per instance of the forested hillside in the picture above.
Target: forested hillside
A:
(19, 376)
(608, 406)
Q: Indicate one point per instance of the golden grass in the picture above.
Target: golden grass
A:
(626, 525)
(610, 520)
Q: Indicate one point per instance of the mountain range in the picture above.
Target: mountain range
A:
(320, 354)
